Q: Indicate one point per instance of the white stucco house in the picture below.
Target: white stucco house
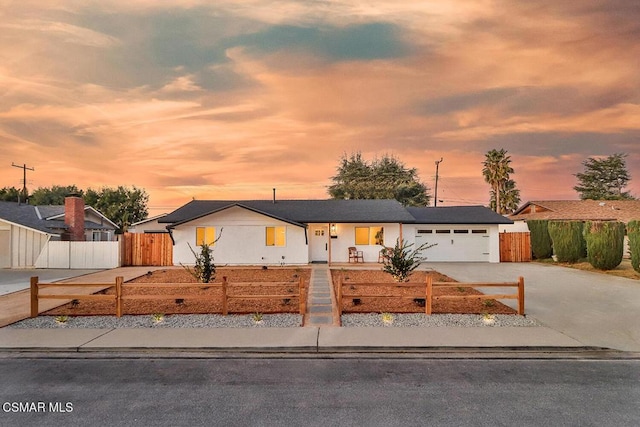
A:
(298, 232)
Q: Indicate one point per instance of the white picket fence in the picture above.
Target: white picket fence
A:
(79, 255)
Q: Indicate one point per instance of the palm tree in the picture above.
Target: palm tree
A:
(496, 170)
(509, 197)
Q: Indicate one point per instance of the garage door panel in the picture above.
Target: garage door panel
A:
(455, 246)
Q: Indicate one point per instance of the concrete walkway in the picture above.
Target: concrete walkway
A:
(321, 310)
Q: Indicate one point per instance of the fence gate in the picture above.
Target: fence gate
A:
(147, 249)
(515, 247)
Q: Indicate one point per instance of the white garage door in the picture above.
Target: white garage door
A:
(455, 244)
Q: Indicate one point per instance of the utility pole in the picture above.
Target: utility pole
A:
(24, 179)
(435, 201)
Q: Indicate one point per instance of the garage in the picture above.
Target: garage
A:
(455, 244)
(461, 233)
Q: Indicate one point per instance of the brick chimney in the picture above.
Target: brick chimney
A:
(74, 217)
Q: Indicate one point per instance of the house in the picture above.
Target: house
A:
(25, 230)
(579, 210)
(149, 225)
(270, 232)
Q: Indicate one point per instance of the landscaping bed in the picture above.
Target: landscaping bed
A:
(191, 303)
(352, 304)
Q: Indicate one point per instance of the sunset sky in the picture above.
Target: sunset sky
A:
(227, 99)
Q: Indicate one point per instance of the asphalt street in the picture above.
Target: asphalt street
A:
(318, 392)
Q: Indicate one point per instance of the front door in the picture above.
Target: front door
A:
(319, 243)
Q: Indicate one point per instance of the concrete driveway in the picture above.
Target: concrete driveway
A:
(596, 309)
(13, 280)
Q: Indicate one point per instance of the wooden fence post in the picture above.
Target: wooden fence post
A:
(303, 296)
(225, 309)
(119, 281)
(521, 296)
(34, 296)
(339, 295)
(429, 294)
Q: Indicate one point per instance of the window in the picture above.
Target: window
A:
(461, 231)
(479, 231)
(443, 231)
(369, 235)
(205, 235)
(425, 231)
(276, 236)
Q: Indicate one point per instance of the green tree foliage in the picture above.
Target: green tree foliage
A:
(604, 179)
(605, 243)
(385, 178)
(204, 269)
(53, 196)
(496, 171)
(568, 240)
(400, 260)
(633, 231)
(541, 245)
(122, 205)
(9, 194)
(509, 197)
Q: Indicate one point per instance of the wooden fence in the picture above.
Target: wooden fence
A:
(427, 292)
(515, 247)
(147, 249)
(118, 297)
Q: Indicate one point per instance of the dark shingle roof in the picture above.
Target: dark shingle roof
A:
(35, 217)
(457, 215)
(344, 211)
(25, 215)
(300, 211)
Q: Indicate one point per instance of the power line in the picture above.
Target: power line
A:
(24, 179)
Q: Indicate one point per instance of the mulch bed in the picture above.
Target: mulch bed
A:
(352, 304)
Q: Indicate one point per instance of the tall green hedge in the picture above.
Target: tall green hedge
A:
(540, 241)
(633, 231)
(568, 241)
(605, 243)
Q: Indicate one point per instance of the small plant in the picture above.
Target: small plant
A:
(158, 317)
(257, 317)
(400, 261)
(179, 301)
(357, 301)
(75, 303)
(286, 301)
(204, 269)
(62, 319)
(488, 319)
(387, 318)
(461, 289)
(420, 302)
(489, 303)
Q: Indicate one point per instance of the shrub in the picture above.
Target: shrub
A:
(633, 231)
(568, 241)
(605, 243)
(540, 240)
(204, 269)
(399, 261)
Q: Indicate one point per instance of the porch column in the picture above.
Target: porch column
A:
(329, 243)
(401, 239)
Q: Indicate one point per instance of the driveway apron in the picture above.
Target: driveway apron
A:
(596, 309)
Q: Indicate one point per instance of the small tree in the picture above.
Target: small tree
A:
(204, 269)
(633, 231)
(541, 246)
(605, 243)
(568, 241)
(400, 261)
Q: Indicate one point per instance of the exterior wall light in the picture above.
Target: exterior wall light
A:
(333, 230)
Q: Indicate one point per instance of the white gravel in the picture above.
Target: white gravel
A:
(169, 321)
(270, 321)
(434, 320)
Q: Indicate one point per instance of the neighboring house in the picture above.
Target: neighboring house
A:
(25, 230)
(265, 232)
(149, 225)
(580, 210)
